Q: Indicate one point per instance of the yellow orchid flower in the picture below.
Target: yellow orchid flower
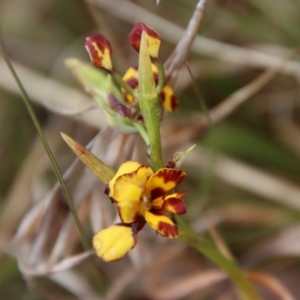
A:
(141, 196)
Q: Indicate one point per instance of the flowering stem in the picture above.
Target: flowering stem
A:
(149, 105)
(191, 238)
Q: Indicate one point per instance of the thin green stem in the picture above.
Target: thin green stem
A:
(35, 121)
(119, 80)
(143, 132)
(161, 76)
(150, 105)
(189, 237)
(58, 174)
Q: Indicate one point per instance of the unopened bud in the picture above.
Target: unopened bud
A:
(99, 50)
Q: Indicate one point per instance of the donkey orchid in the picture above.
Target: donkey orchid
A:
(141, 196)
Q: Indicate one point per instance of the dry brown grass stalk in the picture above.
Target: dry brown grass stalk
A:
(132, 13)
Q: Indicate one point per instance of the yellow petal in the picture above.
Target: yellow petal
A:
(154, 69)
(154, 45)
(131, 78)
(170, 101)
(162, 224)
(128, 190)
(130, 74)
(126, 167)
(163, 181)
(114, 242)
(158, 203)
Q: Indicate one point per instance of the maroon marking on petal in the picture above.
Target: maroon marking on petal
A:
(132, 82)
(177, 205)
(113, 201)
(139, 223)
(168, 175)
(157, 192)
(174, 102)
(168, 230)
(155, 78)
(102, 43)
(175, 175)
(163, 96)
(119, 107)
(124, 224)
(106, 189)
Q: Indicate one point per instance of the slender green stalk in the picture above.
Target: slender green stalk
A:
(143, 132)
(189, 237)
(161, 76)
(58, 174)
(149, 105)
(35, 121)
(119, 80)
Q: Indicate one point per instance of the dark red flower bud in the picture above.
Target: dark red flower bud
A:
(99, 50)
(153, 39)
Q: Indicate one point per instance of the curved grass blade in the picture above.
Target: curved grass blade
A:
(58, 174)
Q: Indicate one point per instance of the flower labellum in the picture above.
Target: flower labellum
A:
(120, 238)
(152, 37)
(99, 50)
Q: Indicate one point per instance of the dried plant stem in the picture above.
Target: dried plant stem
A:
(179, 55)
(228, 105)
(132, 13)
